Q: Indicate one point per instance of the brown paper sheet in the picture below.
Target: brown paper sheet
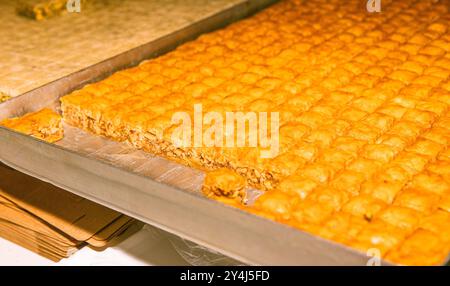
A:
(73, 215)
(52, 222)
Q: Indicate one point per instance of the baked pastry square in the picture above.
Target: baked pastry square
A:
(4, 97)
(225, 183)
(44, 124)
(42, 9)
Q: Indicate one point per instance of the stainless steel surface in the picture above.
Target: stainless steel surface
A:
(240, 235)
(152, 189)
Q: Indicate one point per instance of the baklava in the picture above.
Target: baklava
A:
(363, 102)
(44, 124)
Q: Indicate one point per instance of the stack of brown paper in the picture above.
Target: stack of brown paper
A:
(55, 223)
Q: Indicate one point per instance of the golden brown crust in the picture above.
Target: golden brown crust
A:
(225, 183)
(4, 97)
(42, 9)
(44, 124)
(364, 106)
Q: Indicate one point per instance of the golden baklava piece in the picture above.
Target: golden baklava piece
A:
(43, 9)
(225, 183)
(44, 124)
(4, 97)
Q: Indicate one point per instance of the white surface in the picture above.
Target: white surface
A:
(147, 247)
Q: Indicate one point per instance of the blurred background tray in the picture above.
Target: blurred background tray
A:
(34, 53)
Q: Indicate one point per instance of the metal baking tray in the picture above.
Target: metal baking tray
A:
(157, 191)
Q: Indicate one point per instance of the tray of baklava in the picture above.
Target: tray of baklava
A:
(308, 133)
